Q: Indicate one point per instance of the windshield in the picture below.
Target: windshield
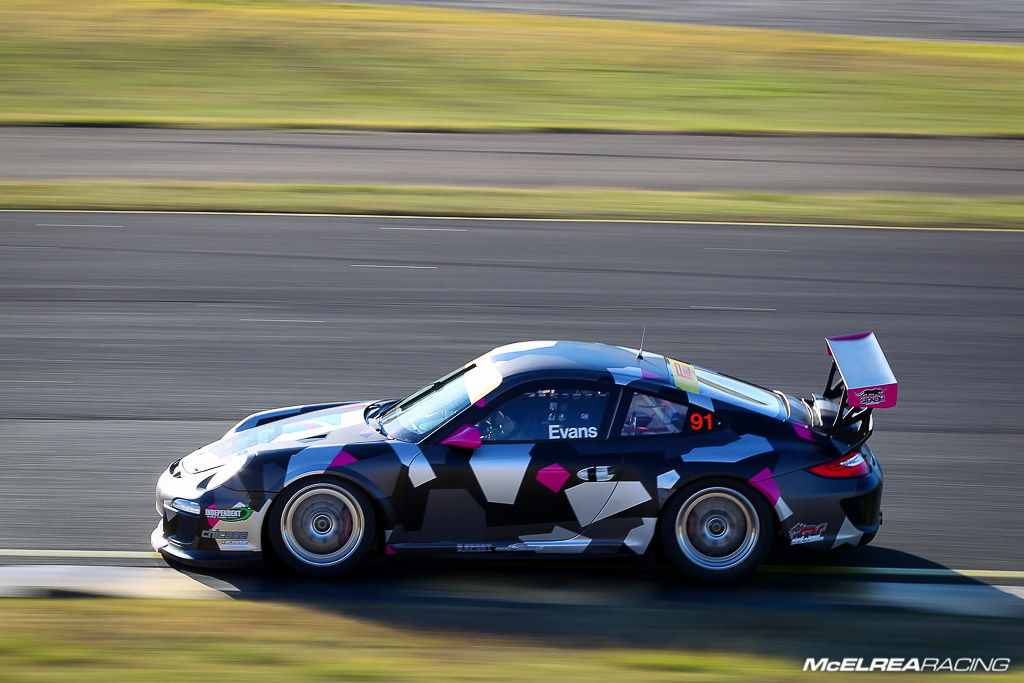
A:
(428, 408)
(757, 398)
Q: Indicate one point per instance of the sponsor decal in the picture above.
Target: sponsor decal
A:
(473, 548)
(229, 514)
(560, 432)
(807, 533)
(513, 547)
(684, 376)
(871, 396)
(227, 537)
(908, 664)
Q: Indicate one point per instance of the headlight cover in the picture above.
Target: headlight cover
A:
(185, 505)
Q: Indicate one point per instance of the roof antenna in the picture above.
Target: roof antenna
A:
(640, 353)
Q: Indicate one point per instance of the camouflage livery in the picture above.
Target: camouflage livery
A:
(591, 487)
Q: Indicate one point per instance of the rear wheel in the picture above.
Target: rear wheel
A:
(717, 531)
(321, 528)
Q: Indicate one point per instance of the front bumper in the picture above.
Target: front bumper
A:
(214, 559)
(201, 539)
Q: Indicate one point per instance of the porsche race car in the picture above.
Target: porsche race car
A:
(546, 448)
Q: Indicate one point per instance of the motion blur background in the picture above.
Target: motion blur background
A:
(742, 178)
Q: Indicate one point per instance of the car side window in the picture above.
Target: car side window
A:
(652, 416)
(547, 414)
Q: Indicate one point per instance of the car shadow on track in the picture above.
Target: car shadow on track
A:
(783, 609)
(636, 603)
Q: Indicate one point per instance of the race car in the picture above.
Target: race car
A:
(544, 448)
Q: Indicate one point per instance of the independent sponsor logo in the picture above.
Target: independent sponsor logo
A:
(908, 664)
(228, 514)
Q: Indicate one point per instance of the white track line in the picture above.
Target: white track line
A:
(277, 320)
(430, 229)
(743, 249)
(729, 308)
(370, 265)
(98, 554)
(773, 569)
(511, 218)
(894, 571)
(75, 225)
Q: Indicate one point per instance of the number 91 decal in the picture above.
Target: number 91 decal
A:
(701, 422)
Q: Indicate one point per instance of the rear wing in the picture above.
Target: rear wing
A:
(860, 380)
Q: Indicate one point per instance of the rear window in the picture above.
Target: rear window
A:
(751, 396)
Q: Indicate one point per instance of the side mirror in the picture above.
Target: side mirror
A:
(466, 436)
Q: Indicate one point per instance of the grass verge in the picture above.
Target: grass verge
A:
(270, 63)
(130, 640)
(918, 210)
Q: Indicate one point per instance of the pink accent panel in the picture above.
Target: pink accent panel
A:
(466, 436)
(342, 458)
(212, 522)
(388, 550)
(882, 396)
(847, 337)
(481, 403)
(803, 431)
(553, 476)
(650, 375)
(763, 482)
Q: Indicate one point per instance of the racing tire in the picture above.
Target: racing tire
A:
(321, 528)
(717, 530)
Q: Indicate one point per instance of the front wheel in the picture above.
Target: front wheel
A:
(321, 528)
(717, 531)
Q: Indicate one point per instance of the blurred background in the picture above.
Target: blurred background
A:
(414, 185)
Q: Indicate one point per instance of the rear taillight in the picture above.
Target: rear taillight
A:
(849, 465)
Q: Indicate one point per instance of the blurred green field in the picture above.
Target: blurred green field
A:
(921, 210)
(98, 639)
(233, 63)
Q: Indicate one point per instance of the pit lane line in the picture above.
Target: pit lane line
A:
(771, 569)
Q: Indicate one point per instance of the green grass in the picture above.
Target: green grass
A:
(130, 640)
(231, 63)
(588, 203)
(113, 640)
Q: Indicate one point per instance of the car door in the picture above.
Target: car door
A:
(653, 431)
(541, 476)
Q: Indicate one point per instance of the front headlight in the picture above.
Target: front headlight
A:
(185, 505)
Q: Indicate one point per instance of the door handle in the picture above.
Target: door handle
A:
(597, 473)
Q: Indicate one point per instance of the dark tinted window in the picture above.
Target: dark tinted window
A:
(652, 416)
(547, 414)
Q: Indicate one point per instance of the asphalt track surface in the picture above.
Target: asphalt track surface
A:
(129, 339)
(655, 162)
(990, 21)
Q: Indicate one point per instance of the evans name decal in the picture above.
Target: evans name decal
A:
(560, 432)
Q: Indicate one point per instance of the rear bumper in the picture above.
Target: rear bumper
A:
(831, 513)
